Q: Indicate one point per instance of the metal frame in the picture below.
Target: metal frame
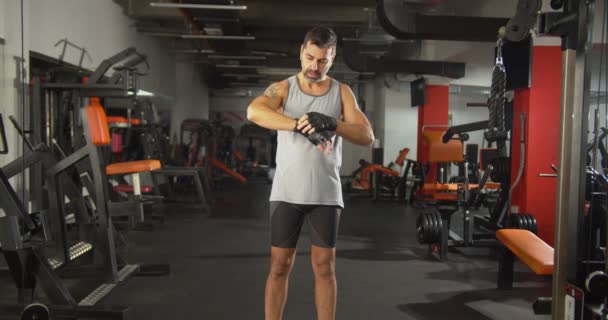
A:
(468, 127)
(109, 62)
(576, 77)
(57, 203)
(66, 43)
(44, 97)
(25, 254)
(466, 200)
(197, 173)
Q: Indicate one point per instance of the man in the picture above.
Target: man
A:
(310, 111)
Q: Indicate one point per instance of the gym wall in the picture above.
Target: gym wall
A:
(401, 120)
(103, 34)
(378, 118)
(479, 58)
(461, 114)
(352, 153)
(191, 96)
(103, 29)
(10, 32)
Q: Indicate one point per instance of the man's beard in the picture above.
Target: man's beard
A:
(315, 79)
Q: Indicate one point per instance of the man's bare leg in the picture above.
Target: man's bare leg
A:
(324, 267)
(281, 263)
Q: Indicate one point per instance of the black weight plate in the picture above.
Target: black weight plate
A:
(35, 311)
(438, 226)
(533, 224)
(419, 231)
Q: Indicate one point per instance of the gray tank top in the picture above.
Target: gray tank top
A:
(304, 174)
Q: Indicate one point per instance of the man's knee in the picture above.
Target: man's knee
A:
(324, 268)
(280, 266)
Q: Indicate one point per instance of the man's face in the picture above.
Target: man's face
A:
(316, 61)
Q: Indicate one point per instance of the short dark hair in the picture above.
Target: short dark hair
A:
(322, 37)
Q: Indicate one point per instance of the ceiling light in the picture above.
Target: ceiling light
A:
(269, 53)
(205, 51)
(196, 36)
(279, 71)
(372, 39)
(237, 57)
(246, 84)
(213, 31)
(161, 34)
(196, 6)
(237, 66)
(243, 75)
(207, 36)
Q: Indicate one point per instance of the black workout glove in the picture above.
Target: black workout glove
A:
(321, 122)
(315, 138)
(318, 138)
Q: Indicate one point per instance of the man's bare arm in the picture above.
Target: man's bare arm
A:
(354, 127)
(264, 110)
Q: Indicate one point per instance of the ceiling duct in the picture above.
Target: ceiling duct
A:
(400, 20)
(374, 41)
(365, 63)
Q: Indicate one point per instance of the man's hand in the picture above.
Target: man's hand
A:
(322, 140)
(316, 122)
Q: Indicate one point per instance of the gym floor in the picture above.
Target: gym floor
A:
(219, 263)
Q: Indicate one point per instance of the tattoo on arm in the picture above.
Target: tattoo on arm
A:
(273, 90)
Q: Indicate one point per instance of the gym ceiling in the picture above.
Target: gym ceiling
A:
(250, 43)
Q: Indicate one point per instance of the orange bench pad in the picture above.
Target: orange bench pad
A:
(440, 152)
(116, 119)
(132, 167)
(445, 196)
(122, 120)
(529, 248)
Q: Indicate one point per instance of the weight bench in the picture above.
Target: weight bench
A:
(97, 135)
(197, 174)
(529, 248)
(133, 207)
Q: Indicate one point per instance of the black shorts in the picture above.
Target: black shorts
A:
(286, 221)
